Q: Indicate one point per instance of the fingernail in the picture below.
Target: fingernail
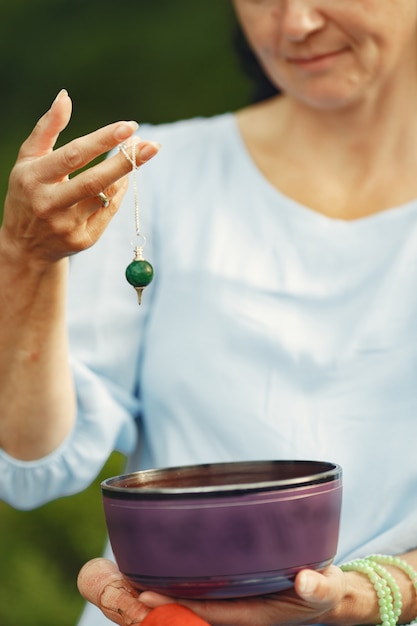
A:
(306, 583)
(149, 150)
(125, 129)
(61, 93)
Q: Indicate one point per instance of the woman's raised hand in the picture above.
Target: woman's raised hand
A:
(50, 214)
(52, 210)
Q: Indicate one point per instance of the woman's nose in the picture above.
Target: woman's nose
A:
(299, 19)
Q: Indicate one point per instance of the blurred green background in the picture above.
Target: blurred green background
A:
(149, 60)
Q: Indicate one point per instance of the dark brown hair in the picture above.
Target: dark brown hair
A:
(262, 86)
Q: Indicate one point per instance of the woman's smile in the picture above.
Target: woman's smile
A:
(317, 62)
(332, 54)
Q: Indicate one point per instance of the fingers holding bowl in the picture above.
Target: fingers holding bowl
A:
(101, 583)
(322, 593)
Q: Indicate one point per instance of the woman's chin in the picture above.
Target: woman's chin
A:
(329, 100)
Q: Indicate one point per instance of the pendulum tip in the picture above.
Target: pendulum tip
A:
(139, 291)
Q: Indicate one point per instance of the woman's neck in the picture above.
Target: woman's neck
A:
(347, 163)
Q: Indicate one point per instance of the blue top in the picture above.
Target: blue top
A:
(270, 331)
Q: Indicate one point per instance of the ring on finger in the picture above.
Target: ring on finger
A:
(104, 199)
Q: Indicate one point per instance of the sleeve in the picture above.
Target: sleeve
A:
(104, 423)
(106, 333)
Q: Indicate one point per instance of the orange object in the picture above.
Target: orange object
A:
(173, 615)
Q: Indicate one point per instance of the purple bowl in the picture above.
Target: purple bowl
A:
(223, 530)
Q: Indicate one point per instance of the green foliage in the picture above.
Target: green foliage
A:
(149, 60)
(152, 61)
(42, 551)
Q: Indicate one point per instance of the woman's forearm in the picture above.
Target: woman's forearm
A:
(36, 389)
(54, 208)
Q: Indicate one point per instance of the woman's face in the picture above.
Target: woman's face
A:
(330, 53)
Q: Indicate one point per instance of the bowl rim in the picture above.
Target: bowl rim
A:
(327, 471)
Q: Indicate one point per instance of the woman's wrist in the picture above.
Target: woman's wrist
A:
(379, 590)
(18, 260)
(359, 604)
(406, 577)
(26, 280)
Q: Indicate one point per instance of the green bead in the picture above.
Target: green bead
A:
(139, 273)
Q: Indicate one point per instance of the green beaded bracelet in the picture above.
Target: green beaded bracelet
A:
(386, 588)
(381, 586)
(395, 561)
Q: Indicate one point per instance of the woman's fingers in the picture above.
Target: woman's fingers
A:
(314, 594)
(49, 214)
(321, 590)
(59, 164)
(69, 234)
(252, 611)
(173, 614)
(101, 177)
(72, 211)
(46, 132)
(101, 583)
(81, 151)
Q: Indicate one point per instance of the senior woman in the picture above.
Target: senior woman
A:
(281, 322)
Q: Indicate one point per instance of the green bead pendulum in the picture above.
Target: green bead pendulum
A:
(139, 273)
